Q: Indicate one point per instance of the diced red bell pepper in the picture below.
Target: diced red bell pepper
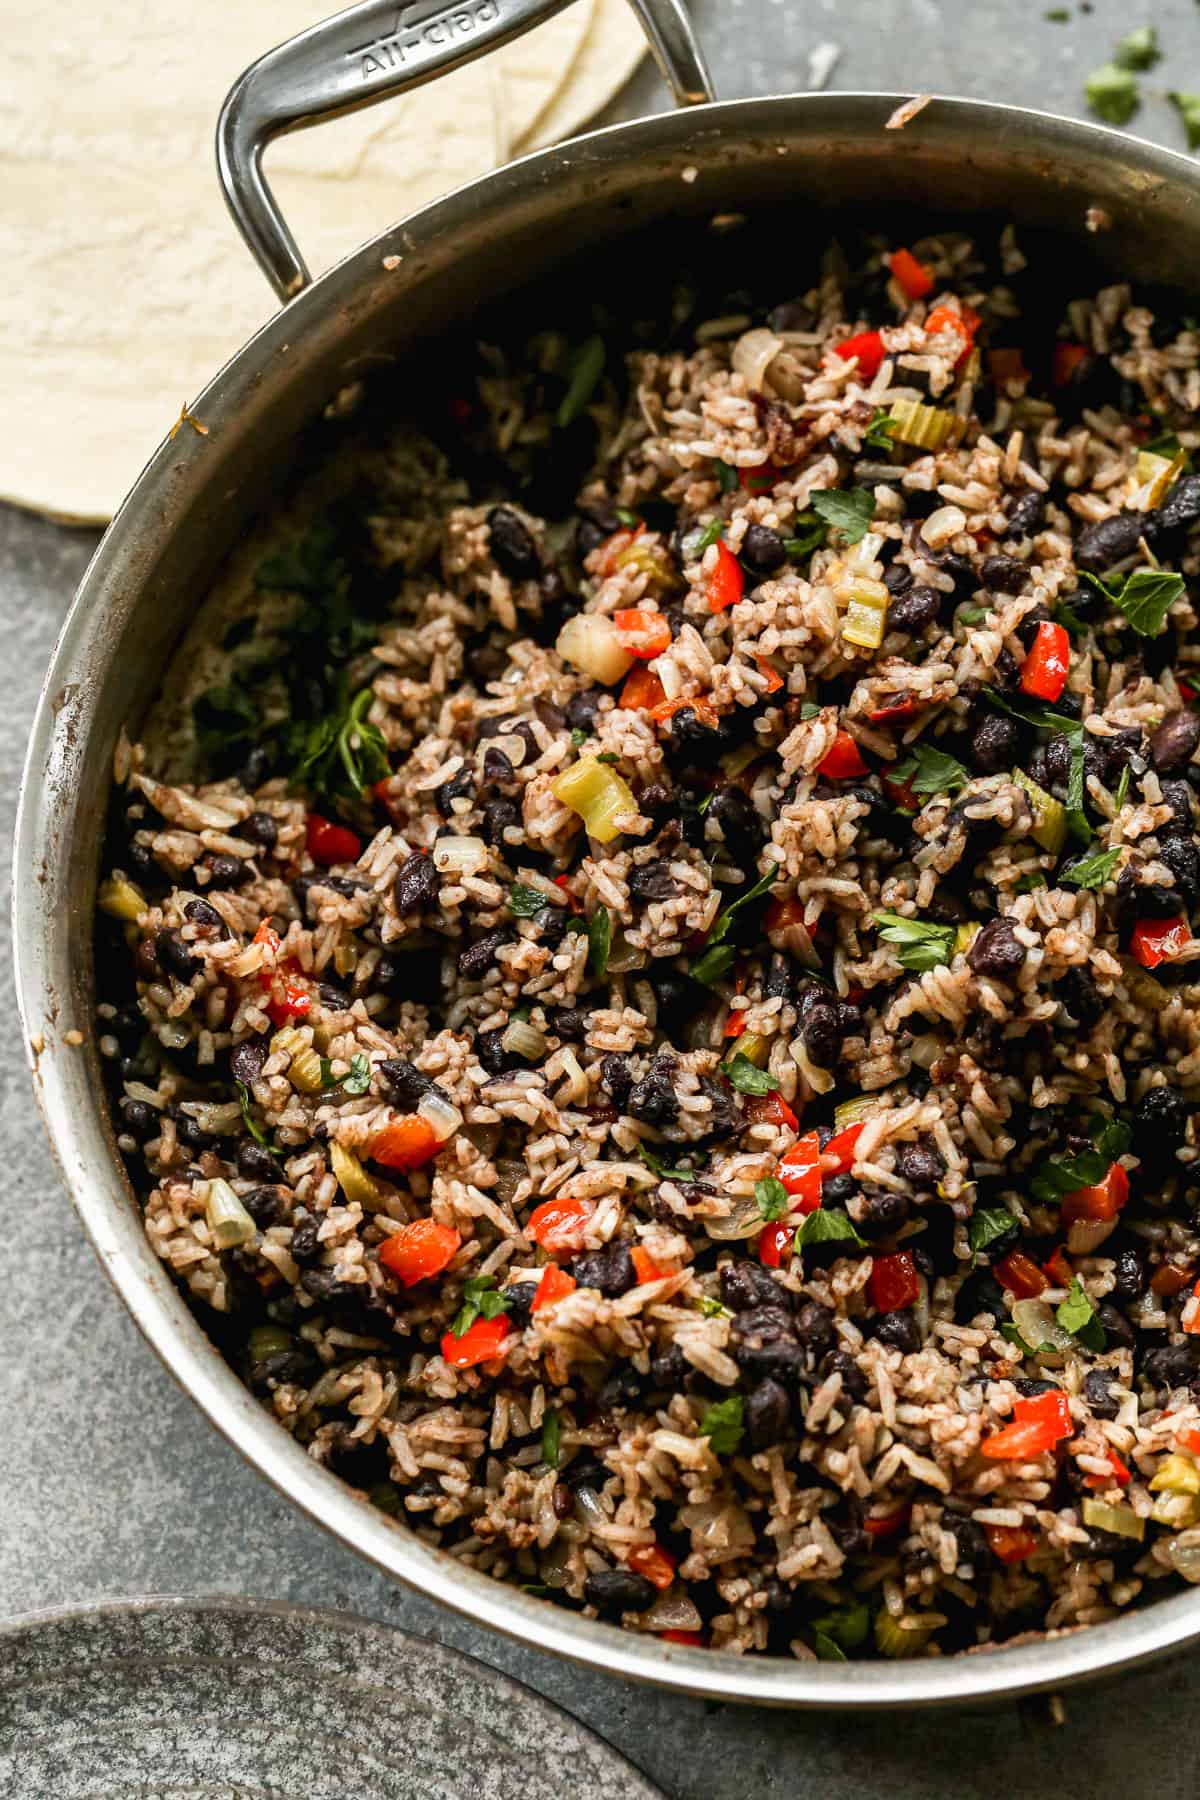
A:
(782, 914)
(647, 1268)
(643, 634)
(406, 1143)
(420, 1250)
(774, 1243)
(1190, 1316)
(735, 1024)
(674, 1636)
(1187, 693)
(1039, 1421)
(1169, 1279)
(1189, 1437)
(773, 678)
(612, 549)
(652, 1561)
(770, 1109)
(800, 1173)
(1156, 941)
(758, 480)
(1011, 1543)
(1045, 669)
(328, 843)
(912, 277)
(893, 1282)
(842, 760)
(643, 691)
(901, 794)
(1121, 1473)
(1104, 1201)
(483, 1341)
(867, 346)
(963, 324)
(292, 1003)
(900, 706)
(704, 710)
(1058, 1268)
(559, 1224)
(842, 1145)
(267, 934)
(1066, 359)
(555, 1285)
(881, 1525)
(727, 581)
(1021, 1275)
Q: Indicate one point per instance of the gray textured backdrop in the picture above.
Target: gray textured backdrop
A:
(110, 1481)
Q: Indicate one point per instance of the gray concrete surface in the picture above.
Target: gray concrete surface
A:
(110, 1481)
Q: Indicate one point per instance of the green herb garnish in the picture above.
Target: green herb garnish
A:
(987, 1224)
(808, 710)
(726, 477)
(1188, 108)
(722, 1425)
(524, 901)
(359, 1079)
(713, 1309)
(551, 1437)
(742, 1074)
(1144, 597)
(1060, 1175)
(772, 1198)
(629, 518)
(599, 934)
(578, 736)
(879, 432)
(1092, 871)
(849, 511)
(1077, 1315)
(587, 366)
(660, 1169)
(919, 945)
(1122, 792)
(709, 536)
(1139, 50)
(808, 536)
(480, 1301)
(931, 771)
(828, 1225)
(973, 615)
(252, 1126)
(1112, 94)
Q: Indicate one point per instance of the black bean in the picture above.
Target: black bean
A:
(724, 1115)
(551, 716)
(914, 609)
(611, 1270)
(484, 660)
(1096, 1385)
(979, 1293)
(139, 1119)
(513, 548)
(1025, 516)
(616, 1078)
(246, 1060)
(1178, 796)
(653, 1099)
(520, 1297)
(920, 1164)
(1160, 1120)
(475, 961)
(688, 731)
(622, 1390)
(822, 1034)
(256, 1162)
(1003, 574)
(841, 1362)
(496, 765)
(405, 1082)
(1129, 1275)
(973, 1551)
(652, 881)
(459, 787)
(764, 1342)
(305, 1242)
(899, 1331)
(586, 1471)
(175, 956)
(1180, 855)
(489, 1048)
(267, 1205)
(583, 709)
(1173, 742)
(416, 884)
(323, 1284)
(592, 529)
(814, 1325)
(619, 1591)
(763, 549)
(261, 829)
(1082, 998)
(1108, 541)
(994, 744)
(746, 1284)
(669, 1369)
(569, 1023)
(777, 981)
(1031, 1385)
(145, 960)
(199, 912)
(791, 315)
(225, 871)
(1103, 1544)
(996, 951)
(1182, 504)
(192, 1135)
(880, 1213)
(499, 815)
(1118, 1332)
(1172, 1366)
(768, 1414)
(836, 1190)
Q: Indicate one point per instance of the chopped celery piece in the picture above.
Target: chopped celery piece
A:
(853, 1112)
(754, 1048)
(925, 427)
(352, 1178)
(598, 794)
(965, 936)
(1049, 814)
(228, 1219)
(893, 1640)
(1176, 1475)
(268, 1340)
(866, 615)
(1121, 1519)
(121, 900)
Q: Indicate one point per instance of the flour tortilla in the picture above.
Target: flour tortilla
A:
(611, 50)
(128, 283)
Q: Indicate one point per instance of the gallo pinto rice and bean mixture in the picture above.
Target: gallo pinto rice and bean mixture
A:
(665, 1047)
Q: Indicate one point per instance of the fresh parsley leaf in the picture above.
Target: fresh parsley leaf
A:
(1188, 108)
(827, 1649)
(551, 1437)
(1144, 597)
(1139, 50)
(578, 736)
(480, 1301)
(712, 1309)
(524, 901)
(1077, 1315)
(808, 710)
(1029, 883)
(741, 1073)
(359, 1079)
(1167, 445)
(879, 432)
(252, 1126)
(327, 1080)
(722, 1425)
(848, 1627)
(1122, 792)
(1092, 871)
(809, 535)
(772, 1198)
(1070, 621)
(710, 535)
(608, 756)
(660, 1169)
(848, 510)
(1112, 94)
(931, 771)
(724, 920)
(828, 1225)
(1009, 1331)
(987, 1225)
(1112, 1137)
(599, 933)
(1060, 1175)
(726, 477)
(972, 615)
(587, 366)
(627, 517)
(919, 945)
(1033, 712)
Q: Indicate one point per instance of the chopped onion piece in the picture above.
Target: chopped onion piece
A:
(513, 745)
(439, 1113)
(588, 1507)
(459, 855)
(1038, 1326)
(753, 354)
(228, 1219)
(1086, 1235)
(744, 1221)
(524, 1039)
(1184, 1553)
(590, 643)
(1121, 1519)
(672, 1611)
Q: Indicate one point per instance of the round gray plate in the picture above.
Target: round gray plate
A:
(246, 1700)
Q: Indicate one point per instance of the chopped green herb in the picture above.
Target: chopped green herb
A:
(1112, 94)
(808, 709)
(1060, 1175)
(252, 1126)
(1058, 15)
(1077, 1315)
(599, 931)
(726, 477)
(660, 1169)
(1029, 883)
(709, 536)
(1139, 50)
(931, 771)
(828, 1225)
(724, 920)
(578, 736)
(1122, 793)
(551, 1437)
(480, 1301)
(327, 1080)
(972, 615)
(1144, 597)
(826, 1648)
(1033, 712)
(849, 1627)
(742, 1074)
(1167, 445)
(1092, 871)
(341, 753)
(629, 518)
(608, 756)
(712, 1309)
(1008, 1330)
(1070, 621)
(810, 534)
(1188, 108)
(879, 432)
(772, 1198)
(919, 945)
(849, 511)
(722, 1425)
(987, 1224)
(587, 366)
(524, 901)
(359, 1079)
(713, 965)
(706, 802)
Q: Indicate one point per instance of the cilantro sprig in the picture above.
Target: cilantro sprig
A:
(717, 957)
(1059, 1175)
(723, 1425)
(1144, 597)
(1077, 1315)
(918, 943)
(481, 1300)
(848, 510)
(929, 770)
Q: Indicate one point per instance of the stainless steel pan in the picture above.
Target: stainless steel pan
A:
(794, 154)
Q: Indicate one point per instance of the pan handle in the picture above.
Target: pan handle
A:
(373, 50)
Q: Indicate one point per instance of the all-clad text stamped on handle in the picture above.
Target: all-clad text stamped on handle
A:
(419, 29)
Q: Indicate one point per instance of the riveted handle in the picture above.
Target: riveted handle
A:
(375, 50)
